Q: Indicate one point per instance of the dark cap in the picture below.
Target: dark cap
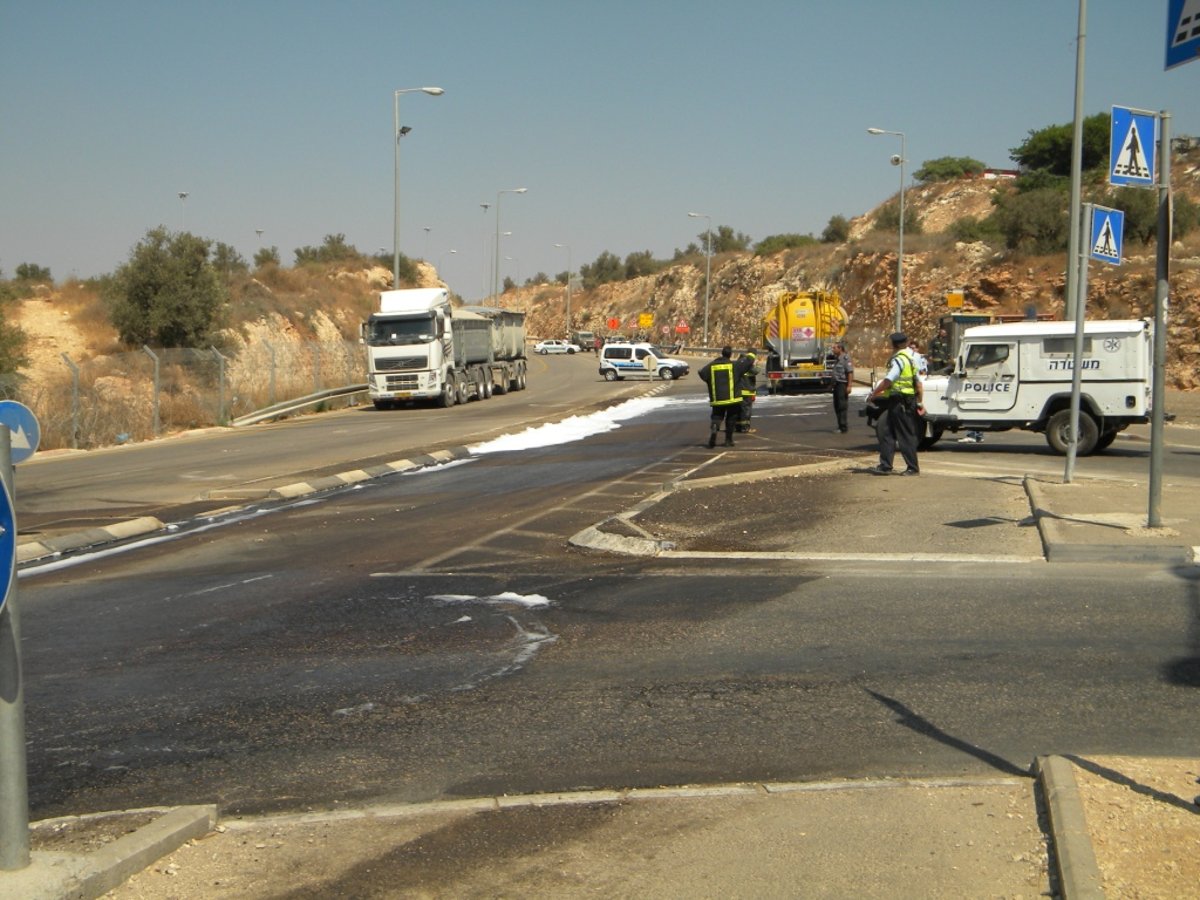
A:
(899, 337)
(727, 350)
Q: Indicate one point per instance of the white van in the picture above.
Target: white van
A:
(1018, 375)
(620, 359)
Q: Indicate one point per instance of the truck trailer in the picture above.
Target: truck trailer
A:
(420, 347)
(799, 333)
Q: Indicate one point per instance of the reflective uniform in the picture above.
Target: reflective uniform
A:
(901, 432)
(724, 395)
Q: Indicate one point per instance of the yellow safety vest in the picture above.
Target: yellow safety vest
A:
(906, 384)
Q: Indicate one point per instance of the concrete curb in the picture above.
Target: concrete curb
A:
(31, 550)
(1057, 546)
(58, 876)
(1078, 872)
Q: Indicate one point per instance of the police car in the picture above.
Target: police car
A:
(621, 359)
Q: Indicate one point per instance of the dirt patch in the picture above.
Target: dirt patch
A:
(50, 334)
(1144, 824)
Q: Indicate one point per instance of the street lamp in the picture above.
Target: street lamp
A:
(707, 268)
(183, 195)
(898, 161)
(426, 229)
(398, 133)
(516, 268)
(567, 247)
(496, 249)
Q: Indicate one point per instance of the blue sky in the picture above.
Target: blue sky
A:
(619, 117)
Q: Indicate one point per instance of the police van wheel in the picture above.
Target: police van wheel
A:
(610, 375)
(1058, 433)
(933, 434)
(666, 374)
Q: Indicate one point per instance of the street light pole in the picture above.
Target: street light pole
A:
(496, 249)
(183, 195)
(898, 161)
(568, 249)
(398, 133)
(707, 269)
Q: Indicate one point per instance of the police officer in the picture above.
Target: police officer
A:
(747, 387)
(843, 382)
(722, 376)
(901, 392)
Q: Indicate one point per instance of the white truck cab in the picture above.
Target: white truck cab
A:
(1018, 375)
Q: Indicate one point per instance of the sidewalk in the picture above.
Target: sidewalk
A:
(888, 838)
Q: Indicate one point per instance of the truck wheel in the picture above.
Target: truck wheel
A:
(462, 392)
(610, 374)
(521, 380)
(486, 389)
(1106, 439)
(446, 398)
(1058, 433)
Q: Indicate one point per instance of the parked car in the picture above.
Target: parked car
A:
(544, 347)
(617, 360)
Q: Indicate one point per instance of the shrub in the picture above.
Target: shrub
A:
(888, 219)
(948, 168)
(837, 231)
(266, 256)
(1033, 222)
(970, 229)
(777, 243)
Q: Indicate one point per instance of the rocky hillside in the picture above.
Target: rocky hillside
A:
(864, 272)
(305, 305)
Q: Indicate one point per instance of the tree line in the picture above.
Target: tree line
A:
(174, 289)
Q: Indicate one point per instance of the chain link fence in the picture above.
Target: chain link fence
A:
(144, 394)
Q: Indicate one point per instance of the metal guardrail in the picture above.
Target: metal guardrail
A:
(291, 406)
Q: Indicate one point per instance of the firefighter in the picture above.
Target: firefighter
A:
(722, 376)
(748, 387)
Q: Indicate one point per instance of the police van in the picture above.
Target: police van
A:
(1018, 375)
(622, 359)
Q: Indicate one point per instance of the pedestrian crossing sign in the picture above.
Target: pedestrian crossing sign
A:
(1183, 32)
(1132, 146)
(1108, 229)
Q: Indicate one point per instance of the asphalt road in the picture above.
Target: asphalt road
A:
(433, 636)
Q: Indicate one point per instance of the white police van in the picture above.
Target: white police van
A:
(622, 359)
(1018, 375)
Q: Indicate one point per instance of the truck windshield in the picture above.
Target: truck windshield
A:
(390, 331)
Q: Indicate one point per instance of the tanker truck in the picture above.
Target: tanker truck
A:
(420, 347)
(799, 333)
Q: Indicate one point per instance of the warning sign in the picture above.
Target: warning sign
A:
(1132, 148)
(1108, 226)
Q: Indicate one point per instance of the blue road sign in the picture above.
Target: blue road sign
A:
(1108, 230)
(1132, 156)
(26, 433)
(8, 542)
(1183, 32)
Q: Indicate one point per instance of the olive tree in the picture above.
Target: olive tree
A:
(168, 294)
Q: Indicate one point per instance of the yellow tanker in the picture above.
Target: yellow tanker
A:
(799, 333)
